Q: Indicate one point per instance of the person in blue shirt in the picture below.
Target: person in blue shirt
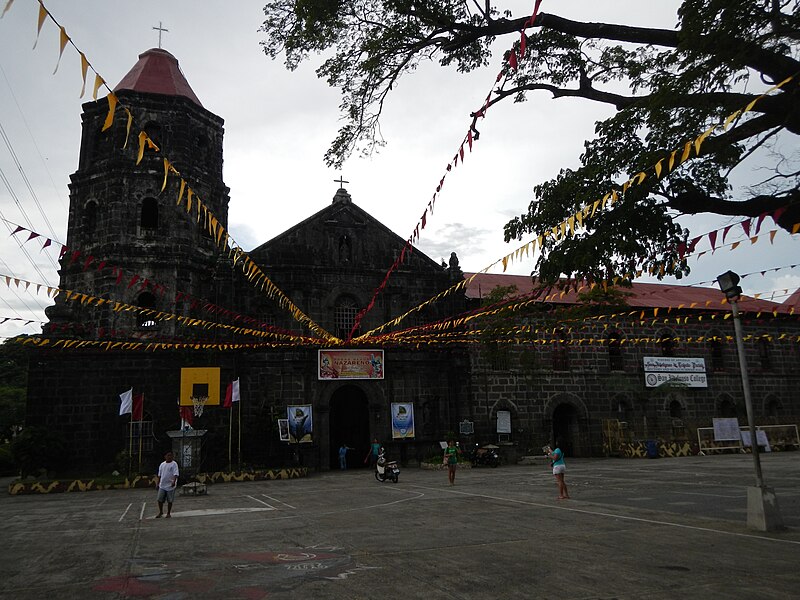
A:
(559, 468)
(343, 456)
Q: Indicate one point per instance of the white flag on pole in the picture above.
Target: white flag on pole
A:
(126, 402)
(235, 390)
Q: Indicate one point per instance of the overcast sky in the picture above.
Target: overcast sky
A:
(278, 125)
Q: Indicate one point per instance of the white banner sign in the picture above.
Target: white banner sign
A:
(672, 364)
(692, 380)
(503, 421)
(726, 429)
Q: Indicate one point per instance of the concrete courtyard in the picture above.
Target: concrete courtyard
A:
(666, 528)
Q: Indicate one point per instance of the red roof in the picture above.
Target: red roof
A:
(644, 295)
(157, 72)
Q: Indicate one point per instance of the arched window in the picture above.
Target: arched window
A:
(726, 409)
(561, 351)
(345, 316)
(615, 359)
(715, 345)
(765, 352)
(675, 410)
(149, 217)
(145, 320)
(773, 407)
(90, 217)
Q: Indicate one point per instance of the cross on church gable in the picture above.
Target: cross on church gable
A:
(341, 181)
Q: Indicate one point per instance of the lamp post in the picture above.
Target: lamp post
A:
(762, 504)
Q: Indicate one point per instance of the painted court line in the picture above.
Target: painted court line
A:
(278, 501)
(124, 513)
(141, 514)
(207, 512)
(621, 517)
(260, 502)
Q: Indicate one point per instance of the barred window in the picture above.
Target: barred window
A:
(765, 352)
(615, 360)
(345, 317)
(149, 216)
(561, 352)
(717, 353)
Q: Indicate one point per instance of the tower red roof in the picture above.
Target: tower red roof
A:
(157, 72)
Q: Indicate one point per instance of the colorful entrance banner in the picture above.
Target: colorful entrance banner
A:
(300, 424)
(350, 364)
(402, 420)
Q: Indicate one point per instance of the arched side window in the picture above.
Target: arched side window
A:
(90, 217)
(561, 351)
(616, 361)
(675, 410)
(345, 316)
(153, 131)
(148, 220)
(667, 343)
(765, 352)
(146, 321)
(772, 407)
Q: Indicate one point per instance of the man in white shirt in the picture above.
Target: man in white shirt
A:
(167, 482)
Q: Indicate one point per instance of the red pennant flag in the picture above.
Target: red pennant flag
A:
(777, 213)
(512, 60)
(18, 229)
(522, 42)
(746, 227)
(47, 242)
(62, 252)
(87, 262)
(133, 281)
(761, 218)
(138, 407)
(461, 152)
(119, 275)
(424, 218)
(74, 256)
(469, 139)
(33, 235)
(725, 232)
(712, 237)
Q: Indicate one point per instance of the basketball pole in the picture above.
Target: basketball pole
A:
(239, 448)
(140, 435)
(230, 437)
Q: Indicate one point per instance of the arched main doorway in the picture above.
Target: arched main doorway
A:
(566, 430)
(349, 424)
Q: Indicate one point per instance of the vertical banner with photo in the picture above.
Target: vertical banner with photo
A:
(300, 423)
(402, 420)
(283, 429)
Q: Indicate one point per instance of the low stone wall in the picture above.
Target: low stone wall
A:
(17, 488)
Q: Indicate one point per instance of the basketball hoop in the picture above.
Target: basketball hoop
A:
(199, 403)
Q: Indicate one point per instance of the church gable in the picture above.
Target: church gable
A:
(341, 235)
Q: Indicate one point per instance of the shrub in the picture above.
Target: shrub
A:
(37, 449)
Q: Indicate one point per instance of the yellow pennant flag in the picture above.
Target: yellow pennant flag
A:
(42, 17)
(672, 159)
(84, 69)
(166, 173)
(640, 177)
(594, 207)
(658, 168)
(753, 239)
(702, 138)
(735, 245)
(730, 119)
(142, 138)
(128, 128)
(64, 38)
(687, 150)
(180, 192)
(98, 81)
(795, 228)
(189, 195)
(112, 106)
(571, 223)
(772, 235)
(6, 9)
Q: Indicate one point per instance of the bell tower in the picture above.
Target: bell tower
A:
(127, 239)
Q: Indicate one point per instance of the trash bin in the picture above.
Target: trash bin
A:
(652, 448)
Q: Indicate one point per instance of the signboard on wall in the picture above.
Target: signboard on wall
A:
(686, 372)
(503, 421)
(402, 420)
(726, 429)
(350, 364)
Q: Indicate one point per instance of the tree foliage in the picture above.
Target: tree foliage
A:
(666, 86)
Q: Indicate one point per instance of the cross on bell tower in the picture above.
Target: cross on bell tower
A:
(341, 181)
(160, 30)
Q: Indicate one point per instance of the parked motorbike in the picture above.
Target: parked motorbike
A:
(484, 456)
(386, 469)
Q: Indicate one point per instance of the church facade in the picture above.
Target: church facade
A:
(162, 278)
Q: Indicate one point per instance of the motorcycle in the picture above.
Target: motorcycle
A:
(386, 469)
(484, 456)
